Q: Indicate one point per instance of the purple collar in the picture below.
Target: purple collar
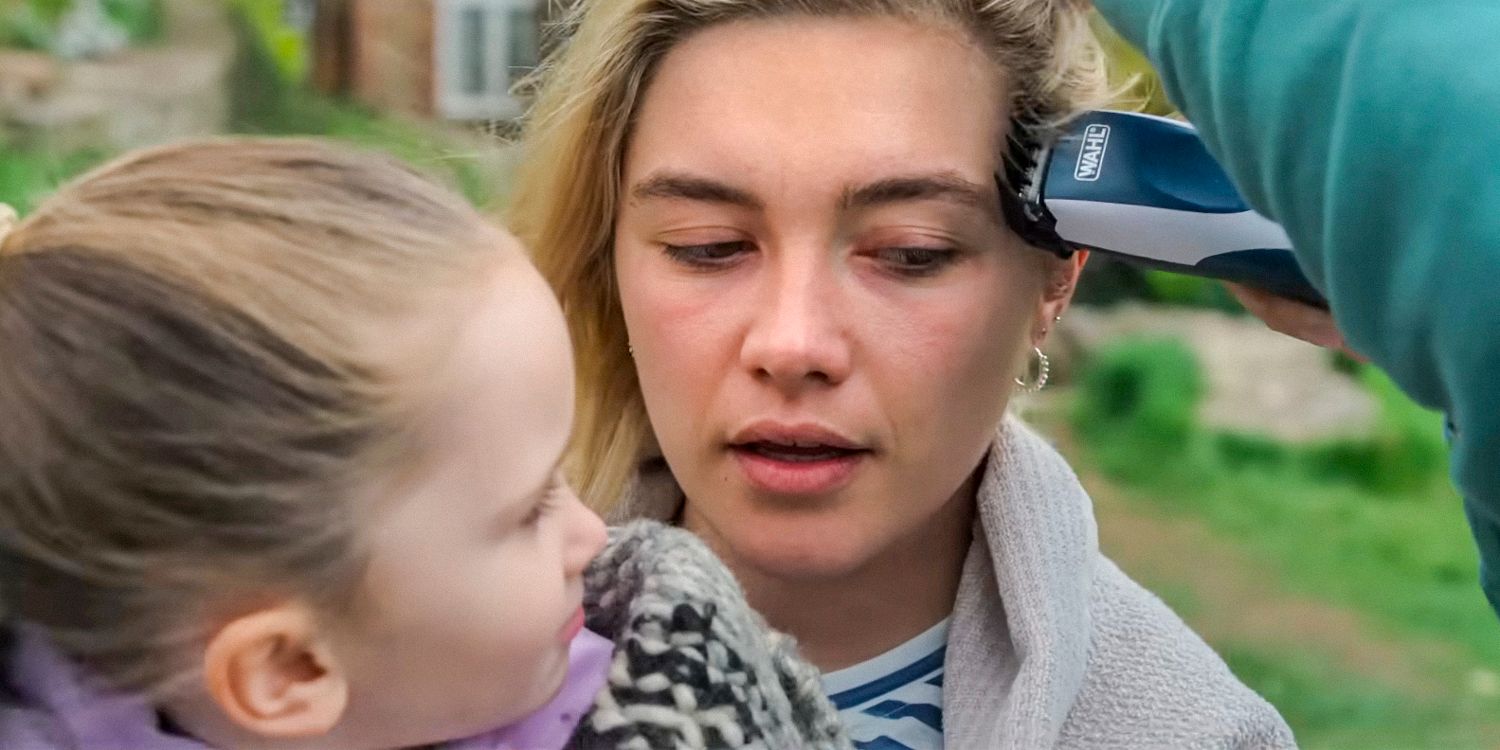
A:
(552, 725)
(97, 719)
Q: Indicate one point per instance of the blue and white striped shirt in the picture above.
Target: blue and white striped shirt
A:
(895, 701)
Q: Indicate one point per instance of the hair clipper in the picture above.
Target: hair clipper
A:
(1145, 189)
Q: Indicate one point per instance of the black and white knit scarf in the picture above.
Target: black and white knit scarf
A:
(694, 666)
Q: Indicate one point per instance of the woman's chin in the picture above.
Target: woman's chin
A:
(800, 549)
(791, 537)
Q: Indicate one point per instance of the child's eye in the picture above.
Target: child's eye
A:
(538, 511)
(917, 262)
(709, 256)
(547, 502)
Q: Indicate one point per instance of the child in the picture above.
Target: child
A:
(279, 468)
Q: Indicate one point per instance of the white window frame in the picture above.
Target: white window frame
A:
(495, 101)
(299, 14)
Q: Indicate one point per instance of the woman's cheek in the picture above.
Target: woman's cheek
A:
(965, 327)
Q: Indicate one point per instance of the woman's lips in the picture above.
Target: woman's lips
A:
(806, 434)
(796, 458)
(797, 470)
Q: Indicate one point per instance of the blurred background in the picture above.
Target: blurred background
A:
(1289, 502)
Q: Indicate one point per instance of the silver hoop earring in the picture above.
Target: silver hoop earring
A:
(1040, 371)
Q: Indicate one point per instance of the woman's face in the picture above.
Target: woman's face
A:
(824, 305)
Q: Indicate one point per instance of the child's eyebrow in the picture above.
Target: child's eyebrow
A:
(512, 513)
(516, 509)
(551, 472)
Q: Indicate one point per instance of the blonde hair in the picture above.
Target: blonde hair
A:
(192, 392)
(586, 96)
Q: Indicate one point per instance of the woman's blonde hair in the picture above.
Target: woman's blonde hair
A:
(585, 100)
(193, 388)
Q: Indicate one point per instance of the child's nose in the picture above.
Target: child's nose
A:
(586, 535)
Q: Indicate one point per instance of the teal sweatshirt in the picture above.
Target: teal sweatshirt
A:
(1370, 129)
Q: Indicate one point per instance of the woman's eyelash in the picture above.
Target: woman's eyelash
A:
(707, 255)
(918, 261)
(906, 261)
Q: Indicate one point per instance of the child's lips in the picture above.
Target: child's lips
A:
(573, 627)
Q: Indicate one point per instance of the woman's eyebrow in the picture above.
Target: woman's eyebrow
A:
(679, 186)
(945, 186)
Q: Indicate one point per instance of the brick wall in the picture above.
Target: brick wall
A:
(391, 55)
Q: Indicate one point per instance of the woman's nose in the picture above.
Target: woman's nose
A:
(796, 337)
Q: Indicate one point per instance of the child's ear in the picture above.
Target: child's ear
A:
(271, 672)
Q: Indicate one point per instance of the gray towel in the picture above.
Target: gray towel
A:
(1051, 645)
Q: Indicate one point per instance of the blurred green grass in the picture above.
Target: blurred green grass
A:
(27, 176)
(1329, 710)
(1371, 524)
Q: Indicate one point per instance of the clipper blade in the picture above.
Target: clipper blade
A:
(1021, 185)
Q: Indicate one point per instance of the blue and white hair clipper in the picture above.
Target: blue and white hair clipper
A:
(1145, 189)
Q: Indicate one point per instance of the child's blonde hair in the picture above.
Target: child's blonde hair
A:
(192, 386)
(587, 96)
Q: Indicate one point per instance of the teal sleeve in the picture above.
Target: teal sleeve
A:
(1370, 129)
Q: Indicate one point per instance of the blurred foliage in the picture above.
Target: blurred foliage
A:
(1344, 363)
(268, 102)
(1148, 389)
(26, 24)
(1107, 281)
(32, 24)
(27, 176)
(1181, 290)
(141, 19)
(282, 43)
(1131, 73)
(1408, 452)
(1370, 522)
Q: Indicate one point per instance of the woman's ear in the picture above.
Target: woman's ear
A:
(272, 673)
(1062, 281)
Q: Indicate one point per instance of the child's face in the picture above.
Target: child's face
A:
(474, 587)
